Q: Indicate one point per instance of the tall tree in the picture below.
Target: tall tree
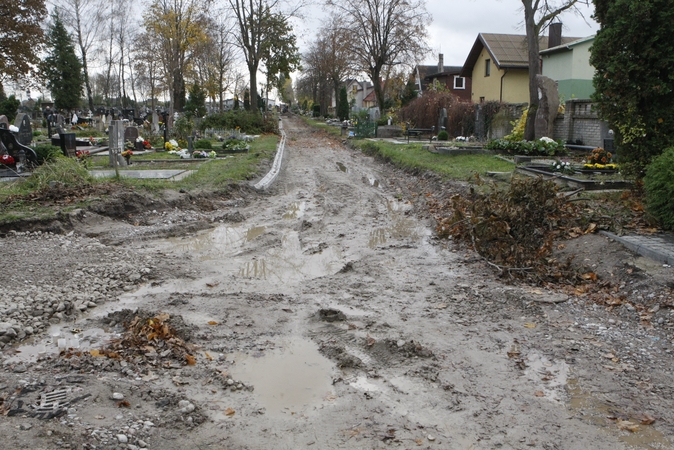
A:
(196, 104)
(178, 25)
(61, 68)
(148, 68)
(383, 33)
(281, 55)
(260, 26)
(21, 36)
(633, 55)
(85, 19)
(537, 16)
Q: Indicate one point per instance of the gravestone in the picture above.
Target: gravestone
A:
(155, 123)
(116, 135)
(68, 143)
(548, 106)
(25, 134)
(131, 134)
(442, 120)
(4, 123)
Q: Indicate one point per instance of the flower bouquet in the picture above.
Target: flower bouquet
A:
(127, 154)
(563, 167)
(6, 160)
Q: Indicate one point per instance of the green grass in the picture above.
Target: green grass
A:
(457, 167)
(320, 123)
(211, 175)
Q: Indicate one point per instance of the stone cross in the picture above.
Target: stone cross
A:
(155, 122)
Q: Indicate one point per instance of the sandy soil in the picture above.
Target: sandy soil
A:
(322, 314)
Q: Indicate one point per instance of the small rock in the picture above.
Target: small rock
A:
(25, 426)
(141, 443)
(117, 396)
(431, 437)
(400, 343)
(122, 439)
(20, 368)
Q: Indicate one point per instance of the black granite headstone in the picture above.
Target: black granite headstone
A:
(25, 134)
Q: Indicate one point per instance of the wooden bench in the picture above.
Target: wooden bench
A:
(418, 132)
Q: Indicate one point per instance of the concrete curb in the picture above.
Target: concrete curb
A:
(271, 176)
(636, 244)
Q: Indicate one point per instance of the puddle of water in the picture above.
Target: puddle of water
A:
(288, 379)
(295, 210)
(552, 375)
(342, 167)
(596, 412)
(220, 242)
(288, 263)
(402, 228)
(56, 339)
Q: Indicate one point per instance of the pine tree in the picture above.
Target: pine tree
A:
(634, 86)
(196, 104)
(61, 68)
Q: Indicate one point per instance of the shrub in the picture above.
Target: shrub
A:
(204, 144)
(659, 187)
(182, 143)
(47, 152)
(248, 122)
(541, 147)
(37, 133)
(157, 141)
(443, 136)
(316, 110)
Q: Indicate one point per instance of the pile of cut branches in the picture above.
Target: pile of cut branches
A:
(513, 229)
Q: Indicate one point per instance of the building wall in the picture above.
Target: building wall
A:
(572, 71)
(580, 124)
(515, 82)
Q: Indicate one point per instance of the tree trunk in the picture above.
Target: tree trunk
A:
(534, 69)
(178, 90)
(378, 91)
(253, 89)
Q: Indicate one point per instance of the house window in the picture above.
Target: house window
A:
(459, 82)
(487, 67)
(481, 99)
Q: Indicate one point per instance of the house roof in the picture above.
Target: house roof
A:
(567, 46)
(449, 70)
(508, 51)
(371, 97)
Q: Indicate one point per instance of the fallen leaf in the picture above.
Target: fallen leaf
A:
(529, 325)
(208, 357)
(212, 322)
(370, 340)
(591, 228)
(191, 360)
(212, 285)
(539, 394)
(96, 353)
(627, 425)
(229, 412)
(123, 404)
(589, 276)
(561, 246)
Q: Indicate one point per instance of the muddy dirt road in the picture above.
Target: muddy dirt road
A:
(326, 316)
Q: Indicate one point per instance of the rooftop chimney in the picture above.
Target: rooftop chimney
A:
(555, 35)
(441, 64)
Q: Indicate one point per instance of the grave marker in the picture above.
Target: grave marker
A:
(116, 135)
(25, 135)
(131, 134)
(4, 123)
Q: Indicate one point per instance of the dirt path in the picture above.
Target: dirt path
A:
(326, 317)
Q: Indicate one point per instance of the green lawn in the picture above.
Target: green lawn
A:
(457, 167)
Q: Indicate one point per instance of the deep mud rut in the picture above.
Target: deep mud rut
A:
(329, 317)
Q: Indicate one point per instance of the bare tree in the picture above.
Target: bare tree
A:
(85, 19)
(383, 33)
(537, 16)
(260, 26)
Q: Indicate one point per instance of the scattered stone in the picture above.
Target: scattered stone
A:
(122, 439)
(118, 396)
(25, 426)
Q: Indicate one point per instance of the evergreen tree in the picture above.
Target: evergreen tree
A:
(196, 104)
(409, 93)
(343, 107)
(61, 68)
(634, 87)
(9, 106)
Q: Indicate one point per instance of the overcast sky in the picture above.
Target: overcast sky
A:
(456, 24)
